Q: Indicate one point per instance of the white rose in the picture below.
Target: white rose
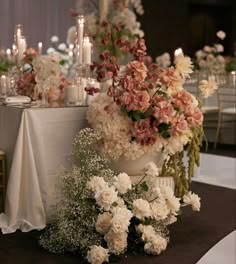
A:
(97, 255)
(192, 199)
(219, 48)
(156, 246)
(62, 46)
(221, 34)
(160, 210)
(103, 223)
(54, 39)
(97, 184)
(141, 209)
(122, 183)
(207, 48)
(116, 242)
(106, 197)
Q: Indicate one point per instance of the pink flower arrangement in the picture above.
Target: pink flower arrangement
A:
(152, 98)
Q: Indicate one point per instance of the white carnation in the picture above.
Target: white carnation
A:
(141, 209)
(148, 233)
(116, 242)
(119, 224)
(156, 246)
(193, 199)
(160, 210)
(97, 255)
(97, 184)
(106, 197)
(122, 182)
(103, 223)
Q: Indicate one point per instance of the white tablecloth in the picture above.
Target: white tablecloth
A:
(41, 139)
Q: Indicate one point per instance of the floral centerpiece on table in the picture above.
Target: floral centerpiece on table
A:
(41, 74)
(210, 59)
(147, 110)
(100, 214)
(122, 18)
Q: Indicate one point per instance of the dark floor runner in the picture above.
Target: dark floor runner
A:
(189, 240)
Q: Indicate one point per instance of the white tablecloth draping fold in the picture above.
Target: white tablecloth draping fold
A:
(43, 144)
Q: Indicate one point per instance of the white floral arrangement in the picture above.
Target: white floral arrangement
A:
(210, 59)
(120, 215)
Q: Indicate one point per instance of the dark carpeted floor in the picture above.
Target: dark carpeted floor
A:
(189, 241)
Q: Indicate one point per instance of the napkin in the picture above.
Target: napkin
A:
(19, 99)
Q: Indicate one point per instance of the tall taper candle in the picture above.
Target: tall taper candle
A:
(80, 35)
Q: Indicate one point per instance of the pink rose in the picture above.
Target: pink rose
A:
(138, 70)
(183, 100)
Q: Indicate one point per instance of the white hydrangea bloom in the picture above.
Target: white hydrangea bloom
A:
(193, 199)
(151, 169)
(122, 182)
(97, 255)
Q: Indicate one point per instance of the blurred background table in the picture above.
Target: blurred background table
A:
(37, 141)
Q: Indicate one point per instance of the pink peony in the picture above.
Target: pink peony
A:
(183, 100)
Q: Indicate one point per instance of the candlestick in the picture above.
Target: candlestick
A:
(40, 48)
(80, 35)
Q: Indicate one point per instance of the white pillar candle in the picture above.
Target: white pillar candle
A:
(21, 49)
(3, 85)
(80, 35)
(40, 48)
(71, 94)
(103, 9)
(87, 48)
(8, 52)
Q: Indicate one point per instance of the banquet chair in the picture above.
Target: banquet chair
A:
(2, 178)
(227, 113)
